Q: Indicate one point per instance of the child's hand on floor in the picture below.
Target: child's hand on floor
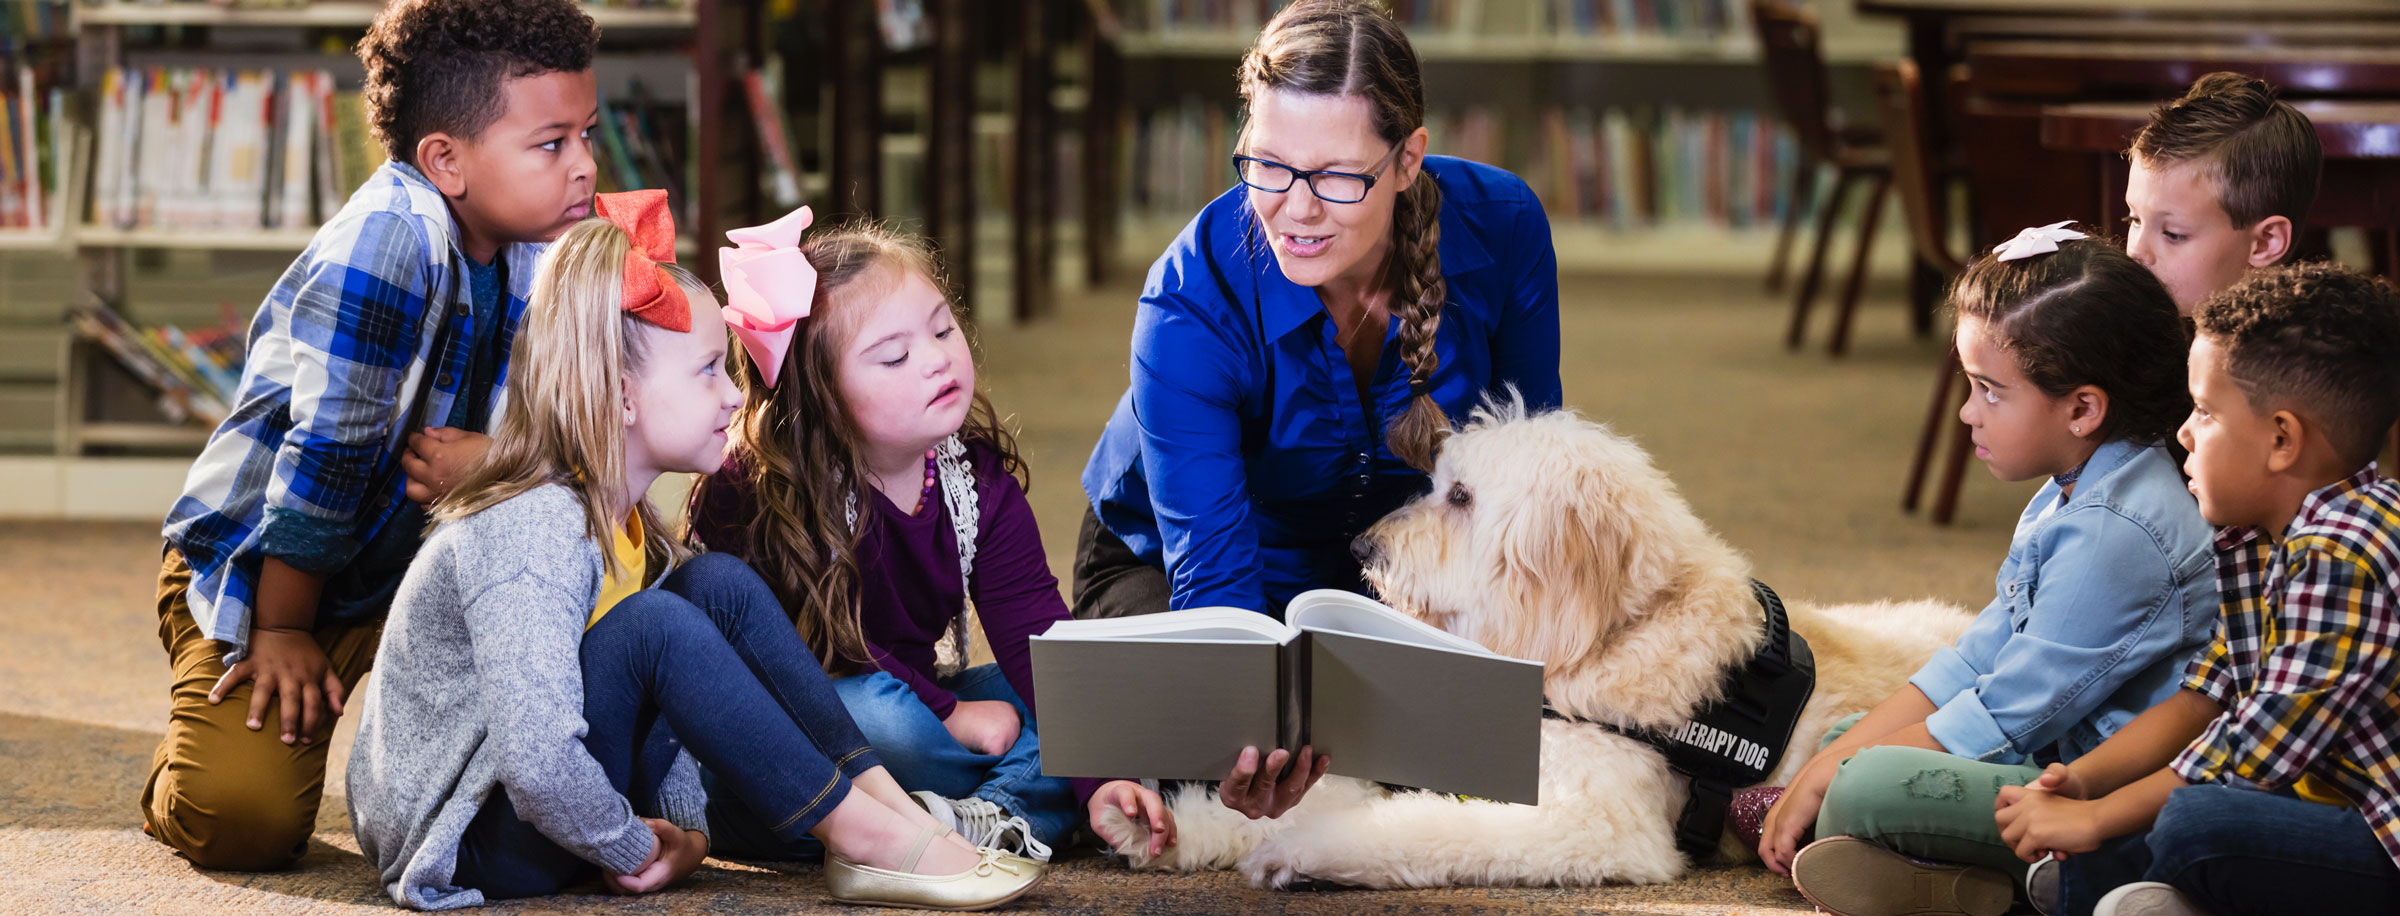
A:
(1788, 823)
(984, 726)
(2038, 824)
(675, 854)
(1140, 804)
(437, 458)
(289, 666)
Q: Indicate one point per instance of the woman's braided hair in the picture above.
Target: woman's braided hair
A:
(1353, 48)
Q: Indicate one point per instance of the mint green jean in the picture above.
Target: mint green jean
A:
(1922, 803)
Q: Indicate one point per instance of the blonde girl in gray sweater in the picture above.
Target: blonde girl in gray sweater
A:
(550, 672)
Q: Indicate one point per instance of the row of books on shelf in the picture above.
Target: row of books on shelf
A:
(197, 372)
(34, 151)
(1630, 168)
(1624, 167)
(1467, 17)
(196, 148)
(26, 21)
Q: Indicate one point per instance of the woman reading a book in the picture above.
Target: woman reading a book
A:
(1281, 404)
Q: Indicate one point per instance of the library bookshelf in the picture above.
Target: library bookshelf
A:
(1552, 90)
(102, 413)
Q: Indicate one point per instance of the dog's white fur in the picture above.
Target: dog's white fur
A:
(1551, 538)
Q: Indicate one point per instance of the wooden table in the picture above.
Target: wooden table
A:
(2361, 140)
(2070, 70)
(1935, 27)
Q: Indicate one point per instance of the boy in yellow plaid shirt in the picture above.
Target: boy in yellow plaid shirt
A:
(2274, 770)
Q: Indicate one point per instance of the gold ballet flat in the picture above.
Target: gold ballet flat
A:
(995, 879)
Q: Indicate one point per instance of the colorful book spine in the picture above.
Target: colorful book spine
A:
(768, 117)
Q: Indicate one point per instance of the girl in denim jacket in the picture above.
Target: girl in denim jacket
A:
(2075, 357)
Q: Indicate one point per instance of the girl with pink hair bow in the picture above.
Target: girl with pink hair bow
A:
(873, 488)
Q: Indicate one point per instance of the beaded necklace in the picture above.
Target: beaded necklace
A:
(925, 499)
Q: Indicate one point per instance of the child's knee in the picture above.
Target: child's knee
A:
(888, 712)
(647, 615)
(1884, 786)
(2197, 821)
(228, 822)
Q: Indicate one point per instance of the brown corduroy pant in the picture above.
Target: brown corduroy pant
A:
(223, 795)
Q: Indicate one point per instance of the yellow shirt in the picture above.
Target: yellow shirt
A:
(2311, 788)
(627, 547)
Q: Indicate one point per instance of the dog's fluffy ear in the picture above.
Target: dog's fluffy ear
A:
(1576, 570)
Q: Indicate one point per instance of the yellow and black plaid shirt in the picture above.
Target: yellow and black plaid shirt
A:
(2306, 657)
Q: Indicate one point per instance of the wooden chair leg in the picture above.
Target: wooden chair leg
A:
(1962, 447)
(1931, 435)
(1816, 259)
(1803, 189)
(1858, 264)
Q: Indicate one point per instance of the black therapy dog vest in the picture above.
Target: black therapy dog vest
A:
(1738, 740)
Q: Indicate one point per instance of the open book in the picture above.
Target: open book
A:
(1178, 695)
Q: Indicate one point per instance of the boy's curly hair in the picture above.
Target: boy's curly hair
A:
(2318, 339)
(437, 66)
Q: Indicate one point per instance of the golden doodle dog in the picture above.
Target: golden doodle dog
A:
(1549, 537)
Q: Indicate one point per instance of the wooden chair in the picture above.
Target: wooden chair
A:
(1795, 70)
(1916, 171)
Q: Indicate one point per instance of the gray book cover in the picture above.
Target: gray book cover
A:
(1178, 695)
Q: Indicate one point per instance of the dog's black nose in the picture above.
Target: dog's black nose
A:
(1364, 550)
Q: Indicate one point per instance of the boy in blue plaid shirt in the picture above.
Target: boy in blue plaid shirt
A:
(2273, 773)
(374, 364)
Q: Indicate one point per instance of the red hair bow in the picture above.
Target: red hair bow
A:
(650, 294)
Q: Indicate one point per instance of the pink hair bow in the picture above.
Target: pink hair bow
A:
(768, 287)
(2038, 240)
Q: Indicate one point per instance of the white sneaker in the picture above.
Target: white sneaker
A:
(982, 823)
(2146, 898)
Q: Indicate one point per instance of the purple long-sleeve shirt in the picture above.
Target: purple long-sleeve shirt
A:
(909, 585)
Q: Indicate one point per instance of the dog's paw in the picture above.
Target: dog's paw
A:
(1293, 863)
(1268, 869)
(1136, 845)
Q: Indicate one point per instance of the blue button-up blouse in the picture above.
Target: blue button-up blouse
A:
(2100, 604)
(1240, 459)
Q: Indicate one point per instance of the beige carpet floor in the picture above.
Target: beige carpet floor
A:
(1796, 458)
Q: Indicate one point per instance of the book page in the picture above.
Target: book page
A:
(1338, 611)
(1205, 624)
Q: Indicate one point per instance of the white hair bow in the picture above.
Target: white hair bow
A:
(2037, 240)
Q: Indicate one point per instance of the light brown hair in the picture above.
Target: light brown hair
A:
(564, 423)
(2318, 339)
(2262, 152)
(805, 460)
(1353, 48)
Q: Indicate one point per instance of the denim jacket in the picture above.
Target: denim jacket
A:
(2098, 608)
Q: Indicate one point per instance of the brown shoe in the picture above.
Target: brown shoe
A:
(1852, 877)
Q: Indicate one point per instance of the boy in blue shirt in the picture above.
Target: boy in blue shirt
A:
(299, 518)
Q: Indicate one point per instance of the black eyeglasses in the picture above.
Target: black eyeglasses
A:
(1330, 186)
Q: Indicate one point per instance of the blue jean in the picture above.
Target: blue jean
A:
(2237, 851)
(922, 756)
(707, 661)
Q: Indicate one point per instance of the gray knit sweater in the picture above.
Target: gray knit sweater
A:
(478, 686)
